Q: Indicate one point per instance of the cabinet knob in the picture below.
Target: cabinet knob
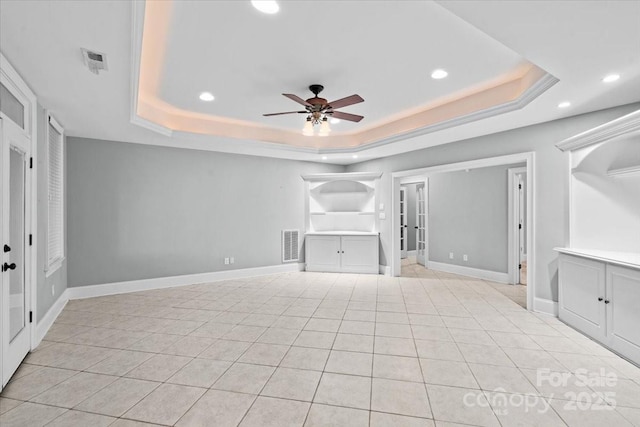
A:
(600, 298)
(607, 301)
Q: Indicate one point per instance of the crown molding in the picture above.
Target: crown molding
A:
(620, 126)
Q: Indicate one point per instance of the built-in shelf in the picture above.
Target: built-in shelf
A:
(631, 170)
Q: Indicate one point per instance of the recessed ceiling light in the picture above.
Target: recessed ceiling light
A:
(611, 78)
(324, 157)
(269, 7)
(355, 156)
(335, 121)
(439, 74)
(564, 104)
(207, 96)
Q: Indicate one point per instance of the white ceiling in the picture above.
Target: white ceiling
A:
(384, 51)
(247, 60)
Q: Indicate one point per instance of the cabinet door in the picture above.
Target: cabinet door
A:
(360, 254)
(581, 286)
(322, 253)
(623, 315)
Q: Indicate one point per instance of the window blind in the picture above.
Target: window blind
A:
(55, 243)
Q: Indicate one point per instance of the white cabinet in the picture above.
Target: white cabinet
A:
(342, 253)
(601, 298)
(581, 297)
(623, 317)
(342, 222)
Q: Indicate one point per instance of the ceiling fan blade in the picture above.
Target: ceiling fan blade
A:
(288, 112)
(346, 116)
(297, 99)
(344, 102)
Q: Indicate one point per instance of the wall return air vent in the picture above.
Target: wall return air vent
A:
(95, 61)
(290, 245)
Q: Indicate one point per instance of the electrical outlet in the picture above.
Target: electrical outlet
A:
(226, 261)
(465, 257)
(450, 255)
(232, 260)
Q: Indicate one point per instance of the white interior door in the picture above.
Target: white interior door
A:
(403, 222)
(16, 210)
(421, 225)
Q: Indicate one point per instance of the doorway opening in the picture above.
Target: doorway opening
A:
(17, 220)
(501, 275)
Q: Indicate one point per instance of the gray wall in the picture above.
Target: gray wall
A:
(140, 212)
(57, 279)
(468, 214)
(551, 176)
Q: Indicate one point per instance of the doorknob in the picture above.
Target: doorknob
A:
(11, 266)
(7, 248)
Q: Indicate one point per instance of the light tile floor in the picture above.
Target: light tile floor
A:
(516, 293)
(313, 349)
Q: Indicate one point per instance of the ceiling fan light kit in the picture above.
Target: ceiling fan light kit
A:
(318, 110)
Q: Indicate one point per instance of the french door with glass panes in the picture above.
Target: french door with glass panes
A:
(403, 223)
(421, 225)
(16, 211)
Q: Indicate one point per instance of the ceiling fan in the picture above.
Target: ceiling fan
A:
(317, 109)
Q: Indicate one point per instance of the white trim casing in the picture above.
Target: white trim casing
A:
(384, 270)
(545, 306)
(31, 126)
(494, 276)
(43, 326)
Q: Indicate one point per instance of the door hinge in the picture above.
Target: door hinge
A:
(519, 266)
(31, 317)
(519, 186)
(30, 239)
(519, 226)
(30, 162)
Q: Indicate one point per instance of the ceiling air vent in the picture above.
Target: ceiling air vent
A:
(290, 250)
(95, 61)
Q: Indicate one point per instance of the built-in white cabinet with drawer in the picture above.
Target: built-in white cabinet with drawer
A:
(342, 253)
(601, 297)
(342, 222)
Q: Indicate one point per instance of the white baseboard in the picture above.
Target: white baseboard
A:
(411, 253)
(545, 306)
(468, 271)
(89, 291)
(43, 326)
(384, 269)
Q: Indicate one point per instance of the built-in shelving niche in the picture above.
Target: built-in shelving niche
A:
(342, 202)
(604, 187)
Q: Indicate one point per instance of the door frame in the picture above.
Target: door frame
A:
(527, 157)
(513, 237)
(17, 86)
